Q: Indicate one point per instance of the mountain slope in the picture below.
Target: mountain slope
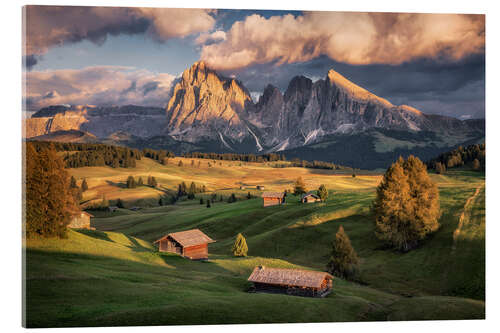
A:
(205, 105)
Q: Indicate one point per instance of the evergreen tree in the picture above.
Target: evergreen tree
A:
(440, 168)
(299, 187)
(49, 200)
(201, 201)
(406, 207)
(85, 186)
(476, 165)
(130, 182)
(72, 183)
(249, 196)
(323, 193)
(231, 198)
(160, 201)
(208, 203)
(240, 248)
(139, 181)
(119, 203)
(154, 183)
(343, 259)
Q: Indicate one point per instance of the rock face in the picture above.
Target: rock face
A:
(99, 121)
(205, 105)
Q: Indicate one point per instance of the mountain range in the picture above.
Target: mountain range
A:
(331, 119)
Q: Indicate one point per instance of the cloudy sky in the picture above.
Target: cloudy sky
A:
(104, 55)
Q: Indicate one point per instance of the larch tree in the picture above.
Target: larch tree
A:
(323, 193)
(85, 186)
(344, 260)
(49, 200)
(240, 248)
(476, 165)
(299, 186)
(130, 182)
(406, 207)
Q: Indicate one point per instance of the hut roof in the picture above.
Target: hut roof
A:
(310, 194)
(290, 277)
(273, 194)
(189, 237)
(78, 213)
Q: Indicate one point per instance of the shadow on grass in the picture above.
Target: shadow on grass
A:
(95, 234)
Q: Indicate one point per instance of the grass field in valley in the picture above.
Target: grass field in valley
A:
(114, 276)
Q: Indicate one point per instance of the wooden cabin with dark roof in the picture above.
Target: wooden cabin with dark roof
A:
(297, 282)
(310, 197)
(273, 198)
(80, 220)
(191, 244)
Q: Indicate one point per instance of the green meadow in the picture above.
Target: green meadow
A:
(114, 276)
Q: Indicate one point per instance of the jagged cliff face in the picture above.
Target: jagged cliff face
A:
(205, 105)
(99, 121)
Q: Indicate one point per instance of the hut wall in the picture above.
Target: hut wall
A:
(271, 201)
(167, 245)
(196, 252)
(80, 221)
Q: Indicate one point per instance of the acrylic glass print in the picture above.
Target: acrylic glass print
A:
(204, 166)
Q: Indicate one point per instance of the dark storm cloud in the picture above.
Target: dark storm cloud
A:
(454, 88)
(49, 26)
(149, 87)
(29, 61)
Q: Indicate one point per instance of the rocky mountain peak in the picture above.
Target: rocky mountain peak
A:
(336, 79)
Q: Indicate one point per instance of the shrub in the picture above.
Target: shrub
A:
(240, 248)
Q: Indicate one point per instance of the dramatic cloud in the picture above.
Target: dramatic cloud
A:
(48, 26)
(103, 85)
(211, 38)
(452, 88)
(353, 38)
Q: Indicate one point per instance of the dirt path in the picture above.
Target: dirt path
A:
(465, 216)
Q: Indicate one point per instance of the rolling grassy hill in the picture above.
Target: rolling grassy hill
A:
(114, 276)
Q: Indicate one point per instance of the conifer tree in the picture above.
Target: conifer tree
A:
(154, 183)
(130, 182)
(475, 164)
(49, 200)
(85, 186)
(119, 203)
(73, 183)
(323, 193)
(180, 163)
(249, 196)
(202, 201)
(160, 201)
(440, 168)
(240, 248)
(343, 259)
(208, 203)
(299, 186)
(231, 198)
(406, 207)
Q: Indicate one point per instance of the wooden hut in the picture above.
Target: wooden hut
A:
(295, 282)
(80, 220)
(260, 187)
(191, 244)
(273, 198)
(310, 198)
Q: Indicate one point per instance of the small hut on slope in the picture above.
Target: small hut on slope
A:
(273, 198)
(296, 282)
(80, 220)
(191, 244)
(310, 198)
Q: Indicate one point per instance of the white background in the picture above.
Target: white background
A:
(10, 157)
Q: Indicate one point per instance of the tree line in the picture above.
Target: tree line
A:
(473, 156)
(271, 157)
